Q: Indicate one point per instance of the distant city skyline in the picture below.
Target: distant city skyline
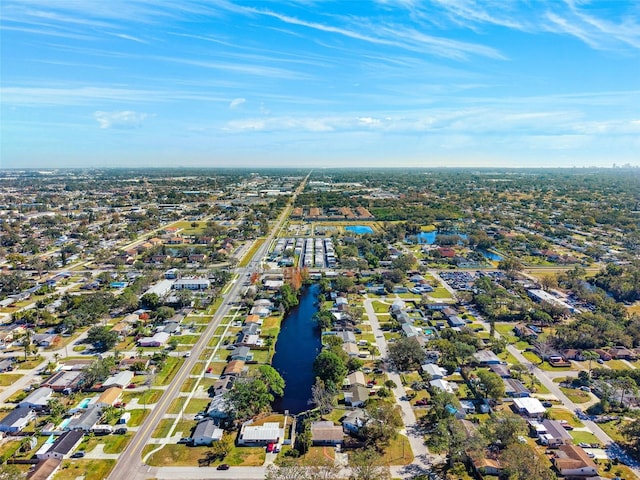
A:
(217, 83)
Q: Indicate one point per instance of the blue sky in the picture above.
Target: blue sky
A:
(314, 83)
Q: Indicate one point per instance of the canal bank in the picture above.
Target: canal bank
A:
(298, 345)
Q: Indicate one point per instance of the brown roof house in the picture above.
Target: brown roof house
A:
(234, 367)
(572, 461)
(326, 433)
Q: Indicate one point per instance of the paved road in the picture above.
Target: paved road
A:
(130, 462)
(423, 458)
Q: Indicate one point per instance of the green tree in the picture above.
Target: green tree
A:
(367, 465)
(273, 380)
(491, 385)
(590, 355)
(222, 447)
(103, 338)
(330, 367)
(323, 397)
(447, 436)
(406, 354)
(248, 398)
(324, 319)
(386, 422)
(523, 463)
(10, 472)
(150, 301)
(506, 428)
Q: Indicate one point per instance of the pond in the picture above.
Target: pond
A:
(429, 238)
(489, 255)
(359, 229)
(297, 347)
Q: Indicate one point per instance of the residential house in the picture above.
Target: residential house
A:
(121, 379)
(356, 396)
(435, 372)
(442, 385)
(486, 357)
(351, 349)
(158, 340)
(6, 365)
(529, 407)
(44, 339)
(269, 432)
(455, 321)
(234, 367)
(38, 399)
(355, 378)
(346, 336)
(621, 353)
(551, 433)
(573, 461)
(353, 422)
(326, 433)
(64, 380)
(252, 319)
(409, 330)
(485, 465)
(206, 432)
(109, 397)
(44, 469)
(128, 363)
(86, 420)
(501, 370)
(64, 445)
(192, 284)
(17, 419)
(573, 354)
(219, 407)
(241, 353)
(525, 332)
(515, 388)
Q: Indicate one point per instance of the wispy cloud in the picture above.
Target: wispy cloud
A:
(236, 102)
(124, 119)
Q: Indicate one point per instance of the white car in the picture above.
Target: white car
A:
(187, 355)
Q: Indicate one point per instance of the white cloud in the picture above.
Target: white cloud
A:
(122, 119)
(236, 102)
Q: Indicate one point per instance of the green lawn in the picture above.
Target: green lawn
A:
(137, 417)
(506, 331)
(575, 395)
(87, 469)
(147, 397)
(380, 307)
(163, 428)
(583, 437)
(170, 369)
(613, 429)
(7, 379)
(564, 414)
(440, 292)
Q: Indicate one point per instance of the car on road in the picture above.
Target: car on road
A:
(187, 355)
(223, 466)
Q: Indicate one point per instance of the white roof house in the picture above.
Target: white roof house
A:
(270, 432)
(120, 379)
(161, 288)
(37, 399)
(158, 340)
(434, 371)
(529, 406)
(442, 385)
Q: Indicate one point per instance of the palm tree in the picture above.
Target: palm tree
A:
(26, 338)
(590, 355)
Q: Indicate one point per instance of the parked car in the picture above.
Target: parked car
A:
(187, 355)
(421, 403)
(185, 440)
(223, 466)
(120, 430)
(209, 370)
(132, 385)
(270, 447)
(79, 454)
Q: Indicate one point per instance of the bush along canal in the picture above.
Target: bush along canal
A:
(297, 347)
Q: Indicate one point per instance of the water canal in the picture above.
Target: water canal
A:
(297, 347)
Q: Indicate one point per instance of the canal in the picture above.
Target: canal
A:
(297, 347)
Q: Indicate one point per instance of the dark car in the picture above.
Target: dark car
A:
(223, 466)
(78, 455)
(120, 431)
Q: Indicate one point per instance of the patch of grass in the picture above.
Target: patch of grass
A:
(575, 395)
(583, 437)
(177, 455)
(261, 356)
(188, 339)
(246, 456)
(532, 357)
(252, 251)
(7, 379)
(613, 429)
(147, 397)
(380, 307)
(506, 331)
(116, 443)
(188, 384)
(184, 427)
(564, 414)
(137, 417)
(170, 369)
(197, 405)
(508, 357)
(89, 469)
(217, 367)
(271, 322)
(163, 428)
(617, 365)
(440, 292)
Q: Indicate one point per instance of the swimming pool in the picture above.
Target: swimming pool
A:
(359, 229)
(51, 439)
(64, 423)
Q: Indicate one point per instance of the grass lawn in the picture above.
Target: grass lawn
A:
(409, 378)
(7, 379)
(271, 322)
(220, 330)
(246, 456)
(137, 417)
(440, 292)
(188, 384)
(575, 395)
(506, 331)
(177, 455)
(116, 443)
(217, 367)
(197, 405)
(252, 251)
(583, 437)
(508, 357)
(261, 356)
(87, 469)
(613, 429)
(187, 339)
(380, 307)
(171, 367)
(532, 357)
(617, 365)
(147, 397)
(163, 428)
(29, 364)
(184, 426)
(398, 452)
(564, 414)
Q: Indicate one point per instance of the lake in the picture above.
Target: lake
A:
(297, 347)
(359, 229)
